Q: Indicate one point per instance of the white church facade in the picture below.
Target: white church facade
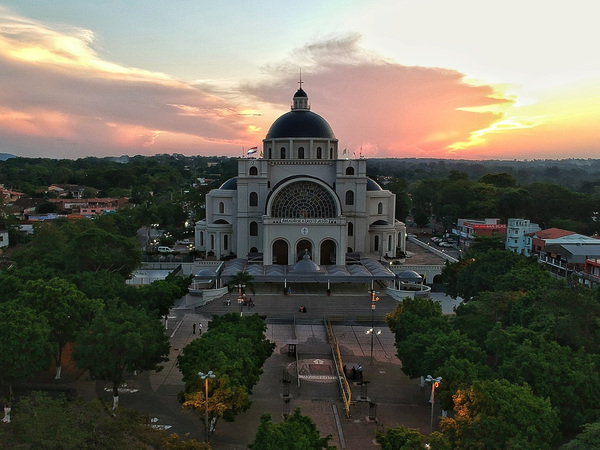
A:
(299, 197)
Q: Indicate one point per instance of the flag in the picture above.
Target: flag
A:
(345, 151)
(252, 150)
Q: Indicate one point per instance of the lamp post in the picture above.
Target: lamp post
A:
(371, 331)
(240, 298)
(435, 382)
(206, 376)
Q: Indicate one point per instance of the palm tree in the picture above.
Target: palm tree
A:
(242, 280)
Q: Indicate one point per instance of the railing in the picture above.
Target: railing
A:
(339, 366)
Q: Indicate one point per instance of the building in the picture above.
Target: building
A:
(300, 198)
(518, 235)
(568, 254)
(468, 229)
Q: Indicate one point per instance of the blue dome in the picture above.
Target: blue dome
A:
(373, 186)
(230, 185)
(300, 124)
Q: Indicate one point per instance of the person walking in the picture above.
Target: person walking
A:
(194, 328)
(200, 328)
(353, 373)
(360, 374)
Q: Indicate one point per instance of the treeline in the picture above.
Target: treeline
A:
(519, 361)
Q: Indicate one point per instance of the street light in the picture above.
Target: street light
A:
(373, 300)
(435, 382)
(240, 298)
(206, 376)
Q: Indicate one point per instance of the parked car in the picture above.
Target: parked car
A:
(163, 249)
(185, 242)
(445, 244)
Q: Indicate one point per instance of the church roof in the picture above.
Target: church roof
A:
(372, 185)
(300, 124)
(230, 185)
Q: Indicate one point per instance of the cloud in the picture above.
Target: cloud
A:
(383, 107)
(54, 85)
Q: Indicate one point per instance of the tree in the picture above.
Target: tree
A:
(235, 349)
(242, 279)
(402, 438)
(498, 414)
(121, 338)
(59, 423)
(66, 309)
(295, 432)
(588, 438)
(24, 347)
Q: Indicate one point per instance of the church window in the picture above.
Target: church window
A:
(212, 241)
(389, 242)
(282, 153)
(221, 208)
(376, 243)
(225, 242)
(349, 198)
(349, 170)
(319, 153)
(350, 229)
(300, 152)
(270, 154)
(331, 153)
(304, 200)
(253, 199)
(253, 170)
(379, 208)
(202, 238)
(253, 228)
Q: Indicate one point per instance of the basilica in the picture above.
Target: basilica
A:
(300, 199)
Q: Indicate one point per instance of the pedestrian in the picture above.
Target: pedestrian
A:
(353, 373)
(360, 372)
(345, 369)
(194, 329)
(199, 328)
(289, 291)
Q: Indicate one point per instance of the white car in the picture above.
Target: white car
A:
(445, 244)
(163, 249)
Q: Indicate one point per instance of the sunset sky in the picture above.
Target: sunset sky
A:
(467, 79)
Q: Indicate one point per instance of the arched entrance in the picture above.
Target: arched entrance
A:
(280, 252)
(302, 247)
(327, 253)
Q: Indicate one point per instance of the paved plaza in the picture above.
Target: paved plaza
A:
(390, 398)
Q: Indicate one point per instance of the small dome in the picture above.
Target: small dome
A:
(380, 222)
(300, 93)
(230, 185)
(300, 124)
(206, 273)
(372, 185)
(306, 265)
(221, 222)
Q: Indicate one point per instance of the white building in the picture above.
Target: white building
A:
(518, 235)
(300, 196)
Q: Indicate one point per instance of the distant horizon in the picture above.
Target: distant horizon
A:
(465, 80)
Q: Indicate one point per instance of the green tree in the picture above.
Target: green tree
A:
(121, 338)
(66, 309)
(496, 414)
(242, 279)
(24, 347)
(59, 423)
(295, 432)
(587, 439)
(402, 438)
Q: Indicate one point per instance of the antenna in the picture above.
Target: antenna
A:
(300, 82)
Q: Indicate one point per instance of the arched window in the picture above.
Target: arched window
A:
(225, 242)
(221, 207)
(389, 242)
(300, 152)
(212, 241)
(379, 208)
(202, 238)
(282, 153)
(253, 170)
(319, 153)
(349, 170)
(253, 199)
(270, 153)
(253, 229)
(350, 229)
(331, 153)
(304, 200)
(349, 198)
(376, 243)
